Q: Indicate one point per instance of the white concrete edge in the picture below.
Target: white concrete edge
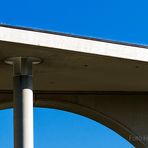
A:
(73, 44)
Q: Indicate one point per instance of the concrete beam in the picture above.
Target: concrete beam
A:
(74, 43)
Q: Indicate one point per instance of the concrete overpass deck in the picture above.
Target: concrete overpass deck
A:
(103, 80)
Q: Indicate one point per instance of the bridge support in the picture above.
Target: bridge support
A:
(23, 100)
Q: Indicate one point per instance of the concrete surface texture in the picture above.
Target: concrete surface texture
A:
(103, 80)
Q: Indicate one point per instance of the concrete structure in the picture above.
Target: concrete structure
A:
(103, 80)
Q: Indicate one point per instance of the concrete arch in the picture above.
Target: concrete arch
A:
(94, 106)
(99, 117)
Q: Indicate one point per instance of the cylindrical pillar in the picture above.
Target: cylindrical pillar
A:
(23, 100)
(23, 103)
(23, 112)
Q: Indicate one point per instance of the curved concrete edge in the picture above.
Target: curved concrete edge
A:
(86, 112)
(94, 115)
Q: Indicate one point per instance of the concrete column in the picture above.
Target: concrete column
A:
(23, 112)
(23, 101)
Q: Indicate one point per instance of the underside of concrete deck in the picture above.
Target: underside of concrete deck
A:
(103, 80)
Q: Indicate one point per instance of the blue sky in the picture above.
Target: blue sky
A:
(59, 129)
(123, 20)
(120, 20)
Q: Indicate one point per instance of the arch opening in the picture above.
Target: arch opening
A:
(71, 103)
(63, 129)
(99, 117)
